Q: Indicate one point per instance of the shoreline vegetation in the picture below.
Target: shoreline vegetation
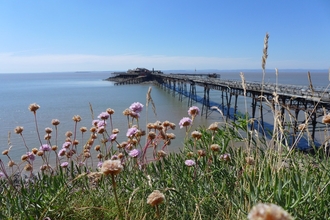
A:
(223, 171)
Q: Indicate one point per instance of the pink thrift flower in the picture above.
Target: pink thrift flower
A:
(62, 152)
(2, 174)
(64, 164)
(189, 163)
(94, 122)
(99, 164)
(101, 124)
(134, 153)
(193, 111)
(131, 132)
(112, 137)
(45, 147)
(103, 116)
(66, 145)
(136, 107)
(31, 156)
(184, 122)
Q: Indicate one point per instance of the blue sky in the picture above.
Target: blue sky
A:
(102, 35)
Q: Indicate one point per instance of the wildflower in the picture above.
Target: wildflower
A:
(31, 156)
(66, 144)
(134, 153)
(136, 107)
(213, 126)
(114, 157)
(48, 130)
(193, 111)
(101, 124)
(64, 164)
(190, 163)
(110, 111)
(134, 115)
(45, 147)
(268, 211)
(215, 147)
(101, 130)
(225, 157)
(2, 174)
(99, 164)
(131, 132)
(190, 154)
(55, 122)
(62, 152)
(112, 167)
(155, 198)
(326, 119)
(113, 137)
(184, 122)
(76, 118)
(103, 116)
(18, 130)
(196, 135)
(34, 107)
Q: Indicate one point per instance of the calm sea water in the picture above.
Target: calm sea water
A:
(63, 95)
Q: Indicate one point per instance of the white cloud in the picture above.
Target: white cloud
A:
(10, 63)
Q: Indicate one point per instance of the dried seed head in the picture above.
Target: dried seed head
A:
(48, 130)
(54, 147)
(76, 118)
(87, 155)
(225, 157)
(172, 126)
(170, 136)
(201, 153)
(5, 152)
(97, 147)
(120, 155)
(268, 211)
(33, 107)
(127, 112)
(93, 129)
(19, 130)
(110, 111)
(215, 147)
(75, 142)
(249, 160)
(326, 119)
(151, 135)
(83, 129)
(28, 167)
(11, 163)
(115, 131)
(99, 156)
(47, 137)
(155, 198)
(112, 167)
(35, 150)
(40, 153)
(55, 122)
(24, 157)
(161, 154)
(196, 135)
(150, 126)
(213, 126)
(166, 124)
(190, 154)
(68, 134)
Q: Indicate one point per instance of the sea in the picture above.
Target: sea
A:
(66, 94)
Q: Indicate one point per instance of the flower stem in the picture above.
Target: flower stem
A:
(116, 197)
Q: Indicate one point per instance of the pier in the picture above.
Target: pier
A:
(287, 98)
